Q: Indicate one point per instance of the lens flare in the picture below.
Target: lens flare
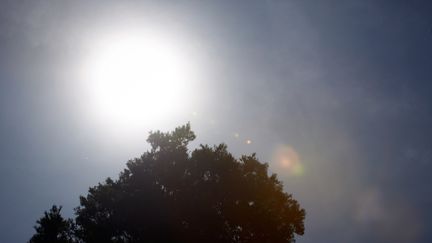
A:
(285, 158)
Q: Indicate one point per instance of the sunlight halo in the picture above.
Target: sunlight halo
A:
(135, 78)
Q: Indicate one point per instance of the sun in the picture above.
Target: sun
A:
(135, 78)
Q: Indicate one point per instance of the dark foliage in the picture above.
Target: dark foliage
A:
(53, 228)
(172, 195)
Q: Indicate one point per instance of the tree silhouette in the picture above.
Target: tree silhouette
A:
(52, 227)
(172, 195)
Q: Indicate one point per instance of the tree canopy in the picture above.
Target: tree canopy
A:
(171, 194)
(52, 227)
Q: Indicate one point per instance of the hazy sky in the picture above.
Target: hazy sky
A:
(343, 88)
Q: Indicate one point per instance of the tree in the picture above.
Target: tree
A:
(170, 194)
(53, 228)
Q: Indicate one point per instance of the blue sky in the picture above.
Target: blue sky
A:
(344, 84)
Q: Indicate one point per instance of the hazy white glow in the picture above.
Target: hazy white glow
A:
(134, 79)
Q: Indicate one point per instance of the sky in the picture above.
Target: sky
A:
(334, 95)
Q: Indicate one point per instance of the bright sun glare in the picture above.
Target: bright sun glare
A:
(136, 79)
